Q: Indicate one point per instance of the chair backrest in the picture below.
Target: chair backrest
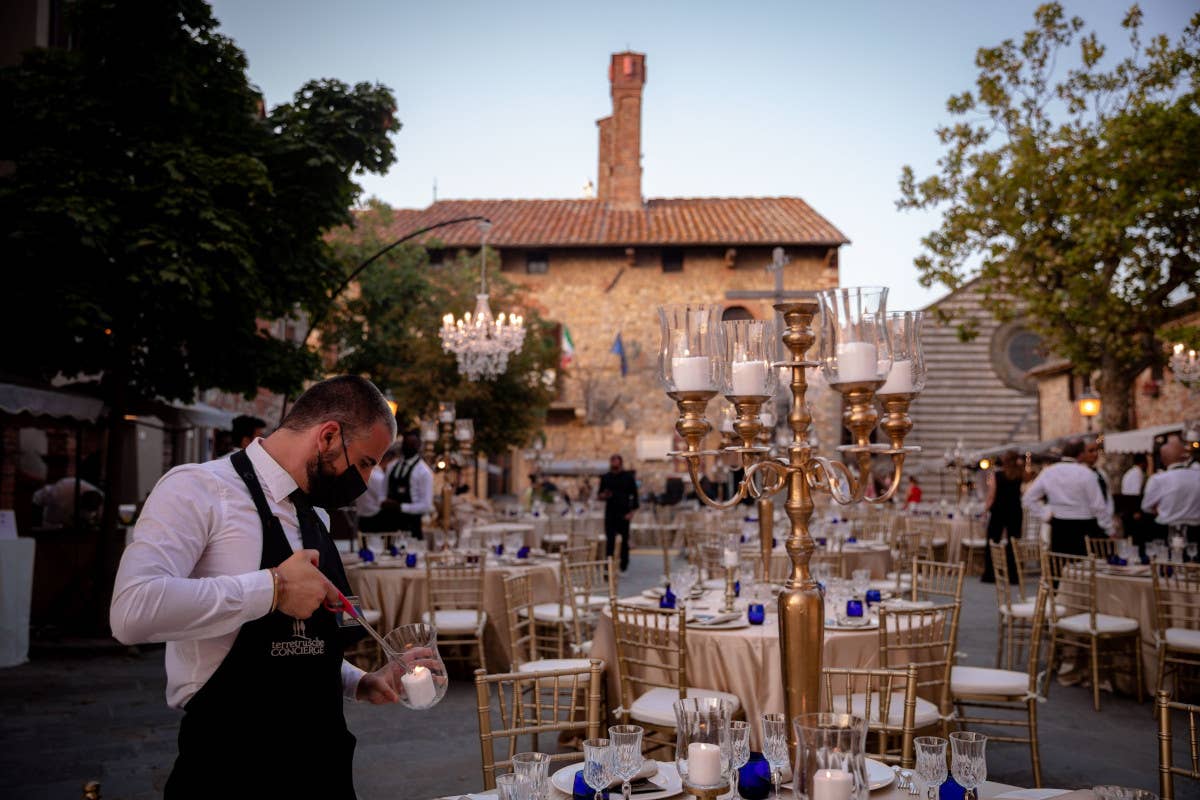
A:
(880, 690)
(651, 645)
(588, 586)
(1163, 706)
(526, 640)
(914, 544)
(999, 551)
(937, 580)
(570, 555)
(1176, 596)
(1101, 547)
(559, 524)
(1072, 581)
(452, 583)
(833, 561)
(534, 703)
(1039, 678)
(924, 638)
(1027, 550)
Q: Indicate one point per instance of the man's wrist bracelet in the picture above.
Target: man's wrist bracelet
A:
(276, 582)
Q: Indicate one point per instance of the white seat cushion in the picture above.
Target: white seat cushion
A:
(554, 537)
(980, 542)
(1025, 610)
(1105, 623)
(458, 620)
(551, 664)
(981, 680)
(551, 612)
(926, 712)
(657, 706)
(1183, 639)
(591, 600)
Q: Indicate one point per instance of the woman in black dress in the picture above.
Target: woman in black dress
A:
(1004, 510)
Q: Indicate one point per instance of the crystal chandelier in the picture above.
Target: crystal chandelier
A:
(481, 343)
(1186, 366)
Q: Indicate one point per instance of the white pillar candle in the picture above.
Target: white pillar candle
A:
(704, 764)
(749, 378)
(418, 687)
(731, 557)
(832, 784)
(692, 373)
(857, 361)
(899, 380)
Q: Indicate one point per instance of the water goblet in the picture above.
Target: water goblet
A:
(627, 754)
(685, 579)
(597, 764)
(1192, 549)
(931, 763)
(969, 761)
(775, 746)
(512, 786)
(739, 750)
(861, 581)
(535, 768)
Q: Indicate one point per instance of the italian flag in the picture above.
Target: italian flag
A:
(568, 349)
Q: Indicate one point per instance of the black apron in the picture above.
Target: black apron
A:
(270, 721)
(399, 490)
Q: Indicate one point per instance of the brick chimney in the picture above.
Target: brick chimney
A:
(620, 178)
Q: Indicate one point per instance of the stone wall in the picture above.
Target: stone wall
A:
(598, 293)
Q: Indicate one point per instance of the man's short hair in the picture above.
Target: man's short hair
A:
(1140, 459)
(246, 426)
(1073, 448)
(353, 402)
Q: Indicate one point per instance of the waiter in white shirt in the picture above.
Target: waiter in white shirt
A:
(1173, 495)
(231, 566)
(372, 516)
(1074, 503)
(410, 486)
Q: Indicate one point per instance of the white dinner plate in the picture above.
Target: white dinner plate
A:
(728, 625)
(870, 625)
(879, 774)
(667, 777)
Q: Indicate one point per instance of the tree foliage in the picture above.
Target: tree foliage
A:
(154, 212)
(1074, 198)
(386, 327)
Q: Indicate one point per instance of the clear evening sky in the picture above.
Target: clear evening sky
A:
(821, 100)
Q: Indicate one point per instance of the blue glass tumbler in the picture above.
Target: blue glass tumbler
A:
(756, 613)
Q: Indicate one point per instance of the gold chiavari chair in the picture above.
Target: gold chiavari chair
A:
(1076, 622)
(937, 580)
(454, 597)
(589, 586)
(1013, 694)
(1163, 706)
(972, 547)
(924, 638)
(558, 702)
(533, 646)
(887, 699)
(833, 561)
(1014, 623)
(558, 532)
(1027, 551)
(1101, 547)
(1176, 619)
(651, 645)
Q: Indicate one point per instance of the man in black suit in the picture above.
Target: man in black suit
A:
(619, 491)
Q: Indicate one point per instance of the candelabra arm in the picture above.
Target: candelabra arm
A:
(820, 475)
(772, 468)
(894, 486)
(693, 463)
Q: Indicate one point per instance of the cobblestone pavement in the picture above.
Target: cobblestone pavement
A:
(96, 711)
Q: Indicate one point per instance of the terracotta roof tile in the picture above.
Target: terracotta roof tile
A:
(667, 221)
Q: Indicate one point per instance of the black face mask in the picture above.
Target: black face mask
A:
(335, 490)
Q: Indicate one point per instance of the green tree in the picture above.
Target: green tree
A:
(386, 327)
(155, 213)
(1075, 198)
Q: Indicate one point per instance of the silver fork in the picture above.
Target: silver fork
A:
(911, 784)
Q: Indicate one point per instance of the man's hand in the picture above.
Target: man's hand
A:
(302, 587)
(629, 515)
(378, 688)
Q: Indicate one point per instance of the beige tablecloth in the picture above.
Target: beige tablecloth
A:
(875, 557)
(398, 593)
(1130, 596)
(743, 661)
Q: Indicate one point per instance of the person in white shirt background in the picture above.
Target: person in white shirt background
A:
(410, 486)
(1130, 500)
(232, 567)
(1068, 494)
(1173, 495)
(372, 517)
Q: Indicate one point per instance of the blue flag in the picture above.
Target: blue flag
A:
(619, 348)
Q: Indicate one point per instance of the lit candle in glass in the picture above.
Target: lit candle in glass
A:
(704, 764)
(687, 360)
(899, 380)
(418, 687)
(907, 375)
(749, 378)
(832, 784)
(746, 357)
(857, 361)
(855, 345)
(692, 373)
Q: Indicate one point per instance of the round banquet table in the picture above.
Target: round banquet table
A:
(398, 593)
(742, 661)
(1132, 596)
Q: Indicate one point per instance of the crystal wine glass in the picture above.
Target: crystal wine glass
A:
(1192, 550)
(535, 768)
(685, 579)
(597, 764)
(775, 746)
(512, 786)
(931, 763)
(739, 750)
(969, 763)
(627, 754)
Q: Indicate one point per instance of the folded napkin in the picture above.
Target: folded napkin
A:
(710, 619)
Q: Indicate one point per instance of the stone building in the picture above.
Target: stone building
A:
(600, 265)
(978, 395)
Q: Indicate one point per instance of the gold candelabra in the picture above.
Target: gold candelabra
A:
(800, 471)
(449, 453)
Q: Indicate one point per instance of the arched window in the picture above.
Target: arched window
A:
(736, 312)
